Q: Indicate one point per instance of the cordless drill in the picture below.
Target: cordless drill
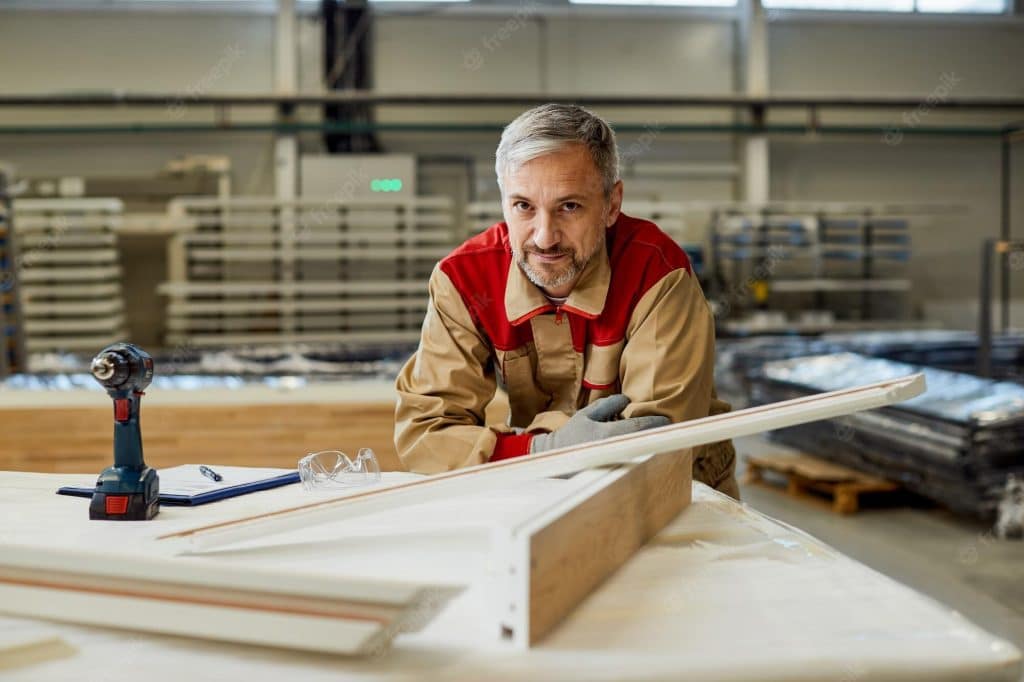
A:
(129, 490)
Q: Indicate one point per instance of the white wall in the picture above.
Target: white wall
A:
(864, 58)
(553, 54)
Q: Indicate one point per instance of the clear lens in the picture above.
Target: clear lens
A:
(333, 470)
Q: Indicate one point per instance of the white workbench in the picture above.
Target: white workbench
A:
(723, 593)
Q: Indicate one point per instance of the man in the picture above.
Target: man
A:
(592, 321)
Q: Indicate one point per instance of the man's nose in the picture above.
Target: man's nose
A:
(545, 235)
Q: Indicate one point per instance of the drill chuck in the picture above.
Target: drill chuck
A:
(123, 368)
(103, 368)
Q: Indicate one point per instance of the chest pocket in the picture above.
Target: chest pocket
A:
(525, 399)
(545, 375)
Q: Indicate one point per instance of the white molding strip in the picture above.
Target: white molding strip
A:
(496, 475)
(231, 603)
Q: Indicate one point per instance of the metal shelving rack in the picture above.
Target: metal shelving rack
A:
(761, 259)
(12, 339)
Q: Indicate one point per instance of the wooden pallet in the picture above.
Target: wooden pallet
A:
(805, 475)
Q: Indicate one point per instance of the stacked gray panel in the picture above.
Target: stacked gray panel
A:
(956, 444)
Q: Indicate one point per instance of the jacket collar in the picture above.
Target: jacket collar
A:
(524, 299)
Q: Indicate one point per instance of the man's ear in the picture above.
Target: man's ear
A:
(614, 204)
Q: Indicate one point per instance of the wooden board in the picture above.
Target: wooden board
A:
(555, 560)
(803, 474)
(80, 440)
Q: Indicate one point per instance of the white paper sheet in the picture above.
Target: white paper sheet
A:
(187, 480)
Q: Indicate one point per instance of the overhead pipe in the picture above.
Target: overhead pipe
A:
(342, 127)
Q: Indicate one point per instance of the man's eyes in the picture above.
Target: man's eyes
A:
(568, 207)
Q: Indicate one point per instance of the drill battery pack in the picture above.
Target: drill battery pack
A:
(123, 507)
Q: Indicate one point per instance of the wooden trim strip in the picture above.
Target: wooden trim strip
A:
(199, 596)
(558, 462)
(213, 600)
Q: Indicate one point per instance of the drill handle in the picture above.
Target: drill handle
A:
(127, 433)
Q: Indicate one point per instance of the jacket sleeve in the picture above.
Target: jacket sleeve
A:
(667, 365)
(444, 389)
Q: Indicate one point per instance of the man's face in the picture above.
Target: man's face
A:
(557, 214)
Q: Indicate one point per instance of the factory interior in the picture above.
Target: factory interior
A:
(333, 243)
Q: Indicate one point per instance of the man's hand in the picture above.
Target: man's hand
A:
(594, 422)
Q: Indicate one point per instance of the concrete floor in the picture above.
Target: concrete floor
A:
(957, 562)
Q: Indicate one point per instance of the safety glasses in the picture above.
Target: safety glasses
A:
(334, 470)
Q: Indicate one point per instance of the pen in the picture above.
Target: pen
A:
(210, 473)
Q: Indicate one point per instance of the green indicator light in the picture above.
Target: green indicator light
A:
(386, 185)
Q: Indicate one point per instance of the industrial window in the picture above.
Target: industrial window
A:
(659, 3)
(923, 6)
(308, 6)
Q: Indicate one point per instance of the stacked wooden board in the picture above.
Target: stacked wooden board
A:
(262, 270)
(70, 273)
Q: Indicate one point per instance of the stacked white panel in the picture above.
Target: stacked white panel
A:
(266, 271)
(70, 273)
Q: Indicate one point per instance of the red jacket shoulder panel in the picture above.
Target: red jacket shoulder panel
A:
(641, 255)
(479, 270)
(639, 252)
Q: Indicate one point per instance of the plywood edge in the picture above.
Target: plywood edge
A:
(23, 651)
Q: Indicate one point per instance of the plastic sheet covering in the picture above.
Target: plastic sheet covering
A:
(190, 369)
(958, 443)
(950, 395)
(722, 593)
(955, 351)
(943, 349)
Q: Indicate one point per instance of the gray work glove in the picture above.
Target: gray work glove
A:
(594, 422)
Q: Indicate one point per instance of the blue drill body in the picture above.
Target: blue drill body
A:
(129, 490)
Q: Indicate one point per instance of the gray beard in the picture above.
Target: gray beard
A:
(569, 274)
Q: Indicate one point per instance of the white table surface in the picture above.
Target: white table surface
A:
(723, 593)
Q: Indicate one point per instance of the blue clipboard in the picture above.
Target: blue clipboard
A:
(216, 491)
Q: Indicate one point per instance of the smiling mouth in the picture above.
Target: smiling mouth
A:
(548, 257)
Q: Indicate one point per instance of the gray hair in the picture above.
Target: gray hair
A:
(550, 127)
